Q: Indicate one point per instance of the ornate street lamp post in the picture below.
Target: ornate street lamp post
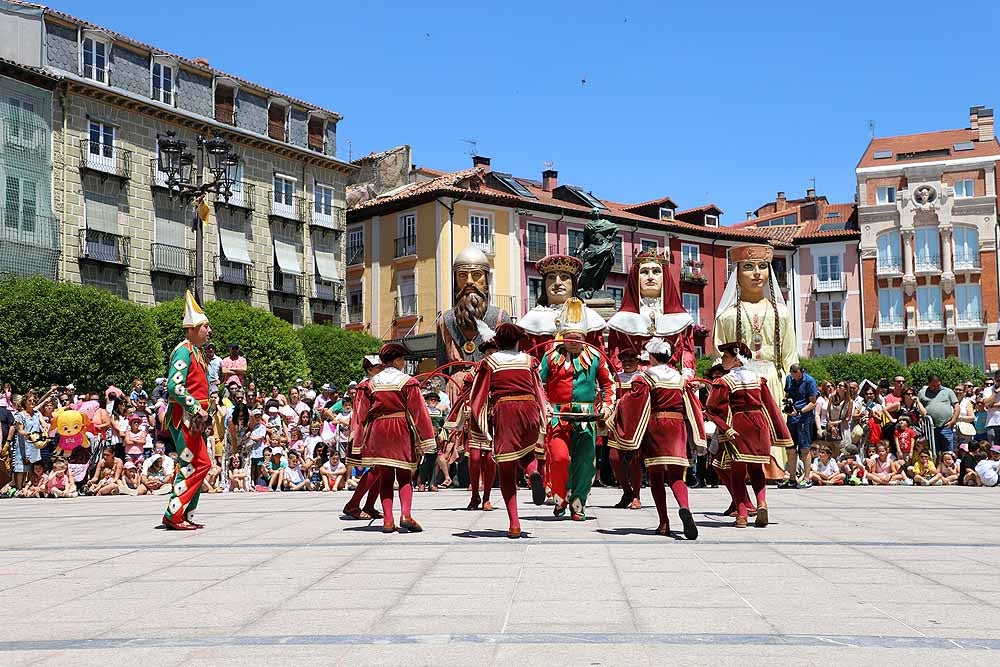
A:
(181, 167)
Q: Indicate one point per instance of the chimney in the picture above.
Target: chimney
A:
(974, 117)
(480, 161)
(550, 180)
(749, 215)
(985, 124)
(780, 204)
(810, 193)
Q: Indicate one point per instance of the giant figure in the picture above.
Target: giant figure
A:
(560, 274)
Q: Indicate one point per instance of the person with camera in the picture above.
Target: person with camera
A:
(800, 401)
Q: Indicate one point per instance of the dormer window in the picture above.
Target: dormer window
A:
(711, 220)
(277, 116)
(666, 213)
(317, 132)
(94, 54)
(225, 101)
(164, 78)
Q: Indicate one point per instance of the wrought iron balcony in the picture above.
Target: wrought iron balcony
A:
(932, 321)
(293, 209)
(157, 178)
(405, 247)
(104, 247)
(105, 159)
(835, 283)
(537, 250)
(966, 320)
(832, 332)
(233, 273)
(243, 195)
(355, 254)
(285, 283)
(172, 259)
(406, 305)
(927, 262)
(333, 217)
(506, 303)
(888, 266)
(328, 290)
(967, 261)
(890, 324)
(355, 313)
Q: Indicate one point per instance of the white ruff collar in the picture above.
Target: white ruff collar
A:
(744, 375)
(663, 372)
(390, 375)
(506, 357)
(541, 321)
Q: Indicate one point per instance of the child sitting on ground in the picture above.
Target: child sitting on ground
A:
(237, 475)
(987, 472)
(825, 471)
(59, 483)
(335, 473)
(925, 473)
(948, 469)
(853, 471)
(882, 469)
(295, 477)
(35, 488)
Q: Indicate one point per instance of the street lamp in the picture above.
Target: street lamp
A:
(182, 167)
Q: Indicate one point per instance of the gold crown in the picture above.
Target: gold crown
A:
(559, 263)
(653, 255)
(753, 252)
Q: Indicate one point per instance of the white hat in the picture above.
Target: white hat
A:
(194, 316)
(658, 346)
(277, 450)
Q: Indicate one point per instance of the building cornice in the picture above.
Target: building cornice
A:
(889, 170)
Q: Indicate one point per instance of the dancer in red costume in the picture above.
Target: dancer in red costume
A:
(657, 416)
(369, 483)
(626, 463)
(651, 306)
(482, 464)
(395, 430)
(749, 423)
(508, 406)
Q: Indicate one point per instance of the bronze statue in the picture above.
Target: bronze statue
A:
(597, 252)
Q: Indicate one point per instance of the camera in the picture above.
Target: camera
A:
(788, 406)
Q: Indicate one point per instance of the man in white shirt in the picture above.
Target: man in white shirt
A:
(992, 403)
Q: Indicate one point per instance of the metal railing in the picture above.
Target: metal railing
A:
(105, 159)
(233, 273)
(328, 290)
(295, 211)
(355, 254)
(172, 259)
(405, 247)
(886, 266)
(834, 284)
(832, 332)
(926, 262)
(967, 260)
(505, 302)
(334, 218)
(406, 305)
(279, 282)
(897, 323)
(355, 314)
(157, 178)
(98, 246)
(242, 195)
(963, 320)
(931, 321)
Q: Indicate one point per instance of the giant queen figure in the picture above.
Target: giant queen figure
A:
(752, 311)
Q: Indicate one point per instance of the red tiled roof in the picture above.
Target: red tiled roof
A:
(811, 230)
(652, 202)
(697, 209)
(927, 141)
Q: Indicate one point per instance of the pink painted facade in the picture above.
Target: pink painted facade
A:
(827, 298)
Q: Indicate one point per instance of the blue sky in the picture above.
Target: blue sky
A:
(721, 101)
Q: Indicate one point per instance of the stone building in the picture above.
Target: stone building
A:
(277, 243)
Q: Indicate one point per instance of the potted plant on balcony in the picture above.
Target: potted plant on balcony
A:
(692, 273)
(700, 330)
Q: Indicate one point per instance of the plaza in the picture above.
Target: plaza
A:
(866, 575)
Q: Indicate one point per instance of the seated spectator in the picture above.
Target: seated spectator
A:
(925, 473)
(882, 469)
(59, 483)
(948, 469)
(906, 438)
(335, 473)
(825, 470)
(966, 464)
(129, 483)
(312, 441)
(237, 474)
(988, 466)
(154, 479)
(135, 439)
(34, 487)
(211, 483)
(295, 478)
(314, 467)
(295, 441)
(276, 469)
(852, 469)
(105, 480)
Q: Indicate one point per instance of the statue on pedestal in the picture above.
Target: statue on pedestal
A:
(597, 252)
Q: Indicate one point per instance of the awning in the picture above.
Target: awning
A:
(234, 246)
(289, 259)
(326, 265)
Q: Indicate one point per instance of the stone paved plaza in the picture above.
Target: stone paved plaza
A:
(854, 574)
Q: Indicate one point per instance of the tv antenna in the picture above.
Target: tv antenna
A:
(548, 164)
(472, 146)
(871, 128)
(813, 179)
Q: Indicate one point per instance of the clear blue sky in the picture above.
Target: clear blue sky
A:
(703, 101)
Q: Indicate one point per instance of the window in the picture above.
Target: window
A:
(788, 219)
(355, 305)
(323, 203)
(481, 231)
(575, 238)
(617, 293)
(355, 246)
(225, 103)
(283, 196)
(163, 82)
(407, 295)
(666, 213)
(929, 307)
(890, 308)
(690, 254)
(23, 128)
(20, 203)
(699, 351)
(780, 267)
(972, 353)
(316, 133)
(926, 249)
(101, 147)
(170, 232)
(535, 287)
(276, 114)
(829, 268)
(406, 239)
(95, 59)
(889, 255)
(885, 194)
(711, 220)
(965, 188)
(931, 351)
(619, 265)
(831, 314)
(536, 241)
(692, 304)
(968, 303)
(966, 241)
(897, 352)
(648, 245)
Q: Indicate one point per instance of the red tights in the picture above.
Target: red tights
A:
(481, 462)
(369, 483)
(388, 475)
(674, 476)
(508, 489)
(628, 474)
(738, 486)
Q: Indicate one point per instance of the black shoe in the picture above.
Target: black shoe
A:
(787, 484)
(690, 527)
(537, 489)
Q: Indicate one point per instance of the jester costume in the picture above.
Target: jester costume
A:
(187, 390)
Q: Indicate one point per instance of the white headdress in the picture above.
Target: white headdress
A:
(194, 316)
(659, 346)
(728, 299)
(373, 359)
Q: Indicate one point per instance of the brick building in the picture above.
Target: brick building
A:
(927, 207)
(277, 243)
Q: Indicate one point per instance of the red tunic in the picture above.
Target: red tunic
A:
(508, 392)
(681, 343)
(396, 425)
(457, 423)
(354, 455)
(746, 416)
(623, 385)
(653, 415)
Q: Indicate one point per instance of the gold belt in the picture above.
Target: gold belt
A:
(667, 415)
(391, 415)
(518, 397)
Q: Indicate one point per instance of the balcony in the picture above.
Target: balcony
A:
(157, 178)
(926, 262)
(537, 250)
(355, 313)
(285, 208)
(355, 254)
(890, 324)
(234, 274)
(930, 321)
(406, 305)
(172, 259)
(105, 159)
(967, 262)
(692, 273)
(966, 321)
(831, 284)
(104, 247)
(334, 218)
(243, 195)
(505, 303)
(832, 332)
(405, 247)
(289, 284)
(328, 290)
(888, 267)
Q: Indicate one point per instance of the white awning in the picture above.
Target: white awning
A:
(289, 259)
(234, 246)
(326, 265)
